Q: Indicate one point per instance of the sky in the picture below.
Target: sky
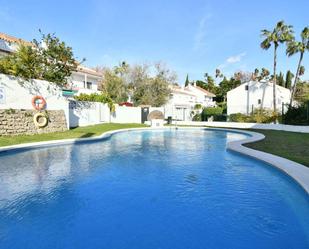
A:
(189, 37)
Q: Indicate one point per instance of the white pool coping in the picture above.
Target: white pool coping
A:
(297, 171)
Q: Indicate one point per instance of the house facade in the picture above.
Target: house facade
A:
(182, 101)
(83, 80)
(255, 95)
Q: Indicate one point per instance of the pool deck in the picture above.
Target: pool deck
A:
(298, 172)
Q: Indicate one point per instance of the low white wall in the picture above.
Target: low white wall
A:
(18, 94)
(293, 128)
(84, 113)
(124, 114)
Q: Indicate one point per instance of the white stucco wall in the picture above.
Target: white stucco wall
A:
(240, 100)
(18, 94)
(124, 114)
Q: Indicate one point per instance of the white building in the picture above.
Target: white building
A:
(253, 95)
(183, 100)
(84, 80)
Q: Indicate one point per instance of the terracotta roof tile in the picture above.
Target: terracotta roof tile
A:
(13, 39)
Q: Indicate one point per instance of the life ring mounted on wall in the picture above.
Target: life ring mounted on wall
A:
(38, 103)
(40, 120)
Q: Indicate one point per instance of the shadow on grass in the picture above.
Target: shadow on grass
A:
(88, 134)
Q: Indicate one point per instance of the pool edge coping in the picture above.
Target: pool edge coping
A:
(299, 172)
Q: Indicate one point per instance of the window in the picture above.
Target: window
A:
(259, 101)
(87, 85)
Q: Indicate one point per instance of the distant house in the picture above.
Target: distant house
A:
(182, 101)
(84, 80)
(253, 94)
(9, 44)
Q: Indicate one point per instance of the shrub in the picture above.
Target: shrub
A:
(223, 105)
(211, 111)
(197, 117)
(263, 116)
(95, 97)
(239, 117)
(297, 115)
(258, 116)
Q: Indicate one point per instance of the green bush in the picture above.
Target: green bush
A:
(211, 111)
(239, 117)
(298, 115)
(95, 97)
(223, 105)
(258, 116)
(197, 117)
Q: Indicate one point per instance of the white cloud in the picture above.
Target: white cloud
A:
(232, 60)
(235, 58)
(200, 35)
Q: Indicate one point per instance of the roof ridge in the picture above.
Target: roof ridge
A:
(10, 38)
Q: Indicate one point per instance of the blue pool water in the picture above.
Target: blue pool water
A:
(149, 189)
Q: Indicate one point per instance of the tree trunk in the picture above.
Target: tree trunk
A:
(295, 80)
(275, 79)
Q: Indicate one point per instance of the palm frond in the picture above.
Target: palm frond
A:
(266, 44)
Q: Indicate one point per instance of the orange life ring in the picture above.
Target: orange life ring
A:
(38, 103)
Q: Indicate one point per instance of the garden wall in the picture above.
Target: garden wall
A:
(17, 93)
(20, 122)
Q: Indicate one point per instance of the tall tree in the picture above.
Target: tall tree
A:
(300, 47)
(288, 79)
(281, 81)
(152, 90)
(280, 34)
(209, 83)
(114, 86)
(187, 80)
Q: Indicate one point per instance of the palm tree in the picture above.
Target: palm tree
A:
(281, 33)
(298, 47)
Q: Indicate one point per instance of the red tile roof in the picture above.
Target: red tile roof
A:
(13, 39)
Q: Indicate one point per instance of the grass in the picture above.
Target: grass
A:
(290, 145)
(80, 132)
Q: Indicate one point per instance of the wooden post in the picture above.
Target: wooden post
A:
(282, 113)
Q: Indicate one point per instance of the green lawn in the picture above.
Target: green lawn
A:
(80, 132)
(290, 145)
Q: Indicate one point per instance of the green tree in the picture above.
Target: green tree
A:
(25, 63)
(50, 59)
(280, 80)
(210, 83)
(154, 90)
(302, 92)
(187, 80)
(218, 73)
(113, 86)
(300, 47)
(224, 86)
(280, 34)
(288, 79)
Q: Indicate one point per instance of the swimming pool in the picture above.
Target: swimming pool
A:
(149, 189)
